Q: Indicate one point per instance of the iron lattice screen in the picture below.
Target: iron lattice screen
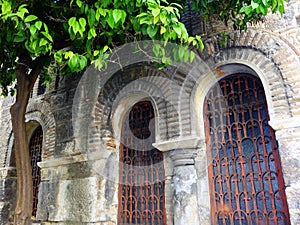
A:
(141, 189)
(35, 146)
(245, 176)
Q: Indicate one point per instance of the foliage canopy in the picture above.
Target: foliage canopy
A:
(73, 34)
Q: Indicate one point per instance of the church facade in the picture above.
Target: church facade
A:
(213, 141)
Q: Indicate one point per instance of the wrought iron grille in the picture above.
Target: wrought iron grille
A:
(245, 176)
(142, 187)
(35, 146)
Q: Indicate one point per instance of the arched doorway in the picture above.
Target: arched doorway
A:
(244, 170)
(142, 187)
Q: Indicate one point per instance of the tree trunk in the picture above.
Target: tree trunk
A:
(25, 83)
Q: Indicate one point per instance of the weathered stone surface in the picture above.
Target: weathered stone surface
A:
(185, 196)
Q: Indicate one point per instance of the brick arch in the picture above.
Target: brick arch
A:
(271, 54)
(255, 52)
(37, 113)
(41, 112)
(91, 114)
(126, 88)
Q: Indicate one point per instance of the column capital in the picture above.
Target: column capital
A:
(183, 157)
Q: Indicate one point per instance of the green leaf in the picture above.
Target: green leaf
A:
(156, 12)
(82, 62)
(263, 9)
(281, 9)
(177, 29)
(79, 3)
(105, 48)
(181, 52)
(58, 56)
(201, 45)
(246, 9)
(46, 28)
(30, 18)
(145, 20)
(76, 27)
(192, 56)
(96, 52)
(123, 17)
(19, 38)
(101, 12)
(73, 61)
(156, 50)
(91, 17)
(48, 36)
(34, 45)
(163, 18)
(38, 25)
(110, 20)
(82, 23)
(43, 42)
(117, 15)
(8, 36)
(21, 11)
(152, 30)
(92, 33)
(68, 54)
(162, 30)
(72, 21)
(254, 4)
(32, 29)
(6, 7)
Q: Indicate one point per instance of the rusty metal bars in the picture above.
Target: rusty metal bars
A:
(245, 176)
(35, 147)
(141, 189)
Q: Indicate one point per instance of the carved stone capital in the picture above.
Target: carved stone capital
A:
(183, 157)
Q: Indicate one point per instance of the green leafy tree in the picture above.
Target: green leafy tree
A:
(37, 35)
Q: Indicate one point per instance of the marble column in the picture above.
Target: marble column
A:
(182, 154)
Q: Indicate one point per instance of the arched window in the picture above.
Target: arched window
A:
(35, 148)
(245, 177)
(141, 189)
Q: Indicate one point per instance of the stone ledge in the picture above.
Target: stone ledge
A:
(279, 124)
(79, 157)
(179, 143)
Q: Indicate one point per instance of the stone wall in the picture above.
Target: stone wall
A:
(81, 116)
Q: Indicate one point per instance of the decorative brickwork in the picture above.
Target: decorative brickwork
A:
(41, 112)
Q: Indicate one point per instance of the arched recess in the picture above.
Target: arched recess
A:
(141, 179)
(125, 88)
(40, 112)
(37, 113)
(275, 60)
(36, 145)
(244, 169)
(239, 64)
